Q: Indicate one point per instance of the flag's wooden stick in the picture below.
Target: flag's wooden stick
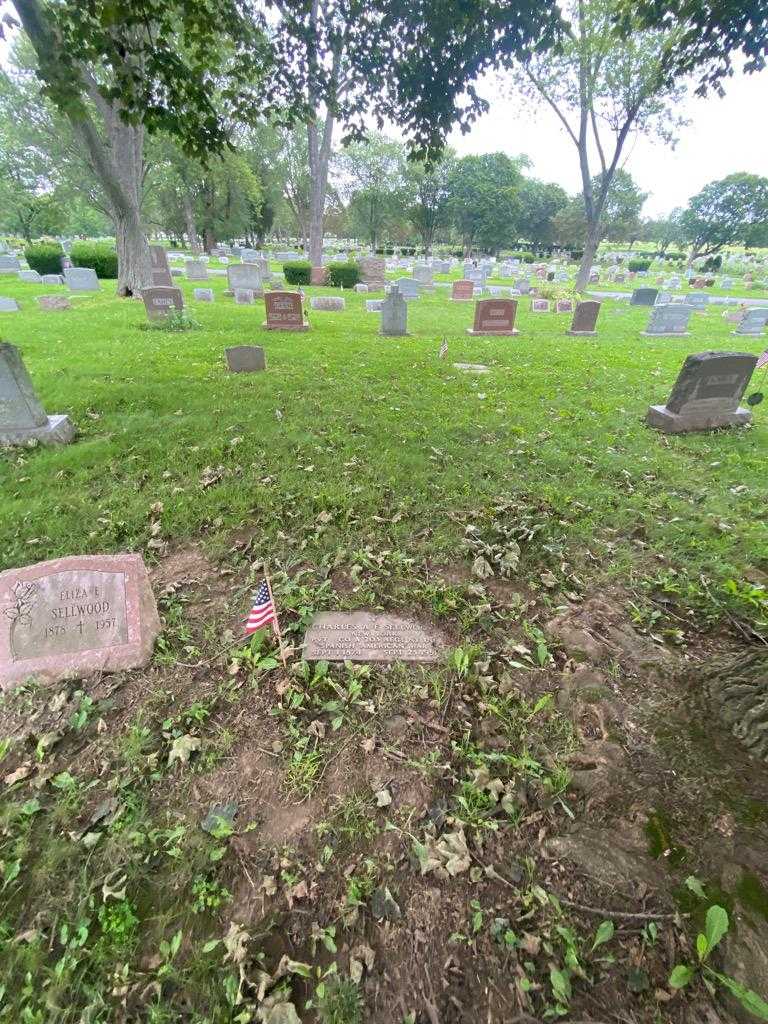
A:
(276, 621)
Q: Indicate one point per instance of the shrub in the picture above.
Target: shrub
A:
(635, 265)
(343, 275)
(713, 263)
(44, 257)
(99, 256)
(297, 272)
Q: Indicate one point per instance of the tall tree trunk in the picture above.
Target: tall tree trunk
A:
(319, 159)
(189, 219)
(591, 244)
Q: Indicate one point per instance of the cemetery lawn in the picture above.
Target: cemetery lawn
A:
(435, 833)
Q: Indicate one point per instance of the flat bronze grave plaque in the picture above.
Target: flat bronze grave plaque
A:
(371, 636)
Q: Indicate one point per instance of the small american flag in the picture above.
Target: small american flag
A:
(762, 360)
(443, 349)
(263, 611)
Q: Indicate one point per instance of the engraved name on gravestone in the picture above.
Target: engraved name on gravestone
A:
(73, 615)
(368, 636)
(463, 291)
(753, 321)
(159, 301)
(328, 303)
(81, 279)
(643, 297)
(494, 316)
(668, 320)
(706, 394)
(284, 312)
(22, 417)
(161, 271)
(585, 318)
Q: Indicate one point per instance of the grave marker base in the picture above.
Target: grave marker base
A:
(58, 430)
(666, 334)
(280, 327)
(660, 418)
(491, 334)
(590, 334)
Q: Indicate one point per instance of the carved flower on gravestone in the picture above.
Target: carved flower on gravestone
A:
(20, 612)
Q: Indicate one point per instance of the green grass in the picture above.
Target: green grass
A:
(389, 440)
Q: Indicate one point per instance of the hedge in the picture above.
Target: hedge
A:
(297, 272)
(635, 265)
(99, 256)
(44, 257)
(343, 275)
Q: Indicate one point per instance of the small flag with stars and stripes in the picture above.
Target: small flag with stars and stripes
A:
(762, 360)
(263, 610)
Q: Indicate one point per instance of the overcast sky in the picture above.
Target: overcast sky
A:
(725, 135)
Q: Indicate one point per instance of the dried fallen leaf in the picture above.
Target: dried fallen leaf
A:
(182, 748)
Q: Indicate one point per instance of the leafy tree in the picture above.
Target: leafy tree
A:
(724, 212)
(620, 219)
(569, 225)
(705, 36)
(540, 202)
(604, 89)
(431, 207)
(665, 231)
(373, 178)
(484, 200)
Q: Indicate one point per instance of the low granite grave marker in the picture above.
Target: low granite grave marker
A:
(81, 279)
(243, 296)
(160, 300)
(284, 312)
(564, 306)
(52, 279)
(22, 417)
(373, 305)
(706, 394)
(9, 265)
(698, 301)
(585, 318)
(54, 303)
(245, 359)
(753, 322)
(328, 303)
(8, 305)
(371, 636)
(494, 316)
(668, 321)
(30, 277)
(203, 294)
(360, 288)
(161, 271)
(71, 616)
(539, 305)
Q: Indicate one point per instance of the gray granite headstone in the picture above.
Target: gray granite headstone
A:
(30, 276)
(706, 394)
(52, 279)
(204, 294)
(243, 296)
(329, 303)
(699, 301)
(196, 270)
(753, 322)
(394, 314)
(671, 320)
(424, 276)
(245, 275)
(643, 297)
(585, 318)
(81, 279)
(371, 636)
(9, 264)
(408, 287)
(373, 305)
(8, 305)
(245, 359)
(22, 417)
